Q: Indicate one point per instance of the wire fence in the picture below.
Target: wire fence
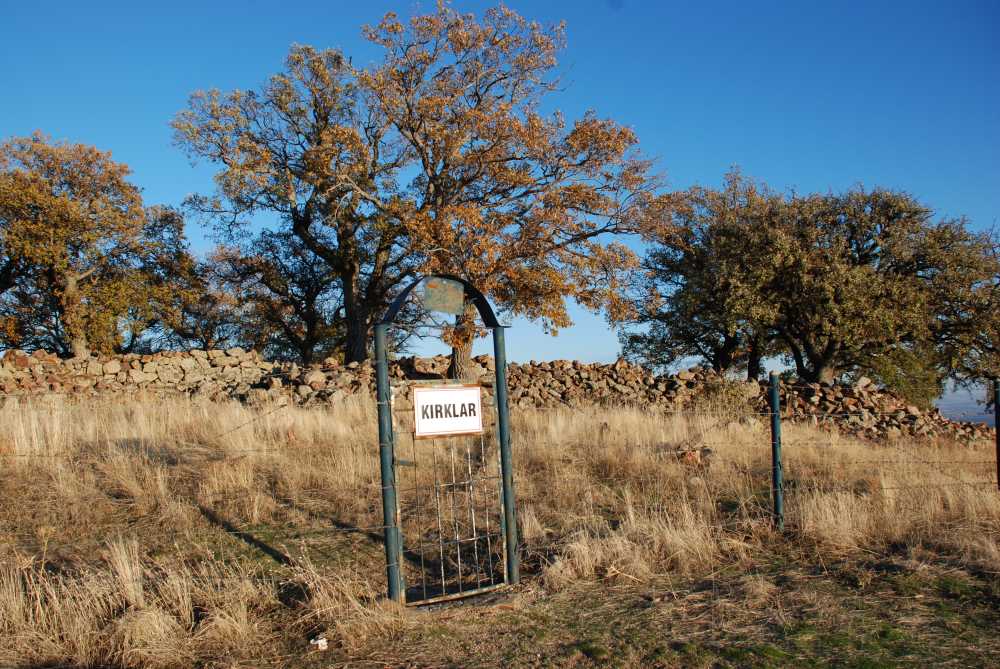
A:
(334, 518)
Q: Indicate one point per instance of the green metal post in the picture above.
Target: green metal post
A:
(513, 574)
(776, 476)
(996, 424)
(393, 552)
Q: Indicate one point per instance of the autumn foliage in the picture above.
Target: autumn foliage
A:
(858, 283)
(435, 160)
(84, 263)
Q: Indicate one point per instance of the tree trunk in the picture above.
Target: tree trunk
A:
(755, 365)
(818, 372)
(805, 367)
(72, 319)
(356, 317)
(822, 367)
(724, 357)
(356, 343)
(305, 353)
(825, 373)
(461, 351)
(306, 344)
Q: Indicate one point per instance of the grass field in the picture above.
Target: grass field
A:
(178, 534)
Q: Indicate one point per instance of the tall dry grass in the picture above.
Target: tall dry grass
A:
(136, 534)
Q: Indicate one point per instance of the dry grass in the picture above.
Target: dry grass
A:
(119, 521)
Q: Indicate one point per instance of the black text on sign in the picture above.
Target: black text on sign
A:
(447, 410)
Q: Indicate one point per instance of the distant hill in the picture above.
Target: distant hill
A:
(960, 404)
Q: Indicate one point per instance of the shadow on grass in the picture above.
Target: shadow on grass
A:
(246, 537)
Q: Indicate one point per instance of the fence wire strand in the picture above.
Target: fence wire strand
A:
(322, 512)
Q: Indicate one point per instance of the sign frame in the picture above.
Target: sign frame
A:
(443, 295)
(446, 387)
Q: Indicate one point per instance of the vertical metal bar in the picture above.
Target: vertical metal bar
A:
(502, 539)
(454, 514)
(996, 424)
(472, 513)
(420, 513)
(393, 554)
(777, 487)
(437, 502)
(513, 572)
(489, 504)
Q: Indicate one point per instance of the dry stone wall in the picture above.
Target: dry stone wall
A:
(861, 409)
(213, 374)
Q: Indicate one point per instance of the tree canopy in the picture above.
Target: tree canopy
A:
(85, 263)
(436, 159)
(521, 203)
(862, 282)
(704, 297)
(337, 184)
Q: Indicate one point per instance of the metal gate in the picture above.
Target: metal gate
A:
(448, 502)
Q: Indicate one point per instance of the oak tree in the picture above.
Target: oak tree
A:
(436, 159)
(862, 282)
(865, 276)
(86, 247)
(701, 290)
(306, 148)
(521, 203)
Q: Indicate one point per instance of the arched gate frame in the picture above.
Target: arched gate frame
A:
(394, 540)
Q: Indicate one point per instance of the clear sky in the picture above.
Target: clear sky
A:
(904, 95)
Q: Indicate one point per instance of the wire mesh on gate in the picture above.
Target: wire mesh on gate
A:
(448, 491)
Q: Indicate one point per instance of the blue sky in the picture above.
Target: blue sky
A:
(903, 95)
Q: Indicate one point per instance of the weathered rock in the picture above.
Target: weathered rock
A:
(861, 410)
(138, 376)
(169, 374)
(315, 379)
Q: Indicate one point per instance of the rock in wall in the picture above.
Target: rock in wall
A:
(861, 409)
(213, 374)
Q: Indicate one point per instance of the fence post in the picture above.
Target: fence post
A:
(513, 574)
(996, 424)
(776, 478)
(387, 456)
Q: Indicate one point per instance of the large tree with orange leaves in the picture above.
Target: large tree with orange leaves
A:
(305, 146)
(522, 204)
(90, 263)
(435, 159)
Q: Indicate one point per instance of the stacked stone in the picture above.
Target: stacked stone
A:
(328, 383)
(215, 374)
(331, 382)
(574, 384)
(861, 409)
(865, 411)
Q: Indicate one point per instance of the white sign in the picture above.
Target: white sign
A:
(447, 410)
